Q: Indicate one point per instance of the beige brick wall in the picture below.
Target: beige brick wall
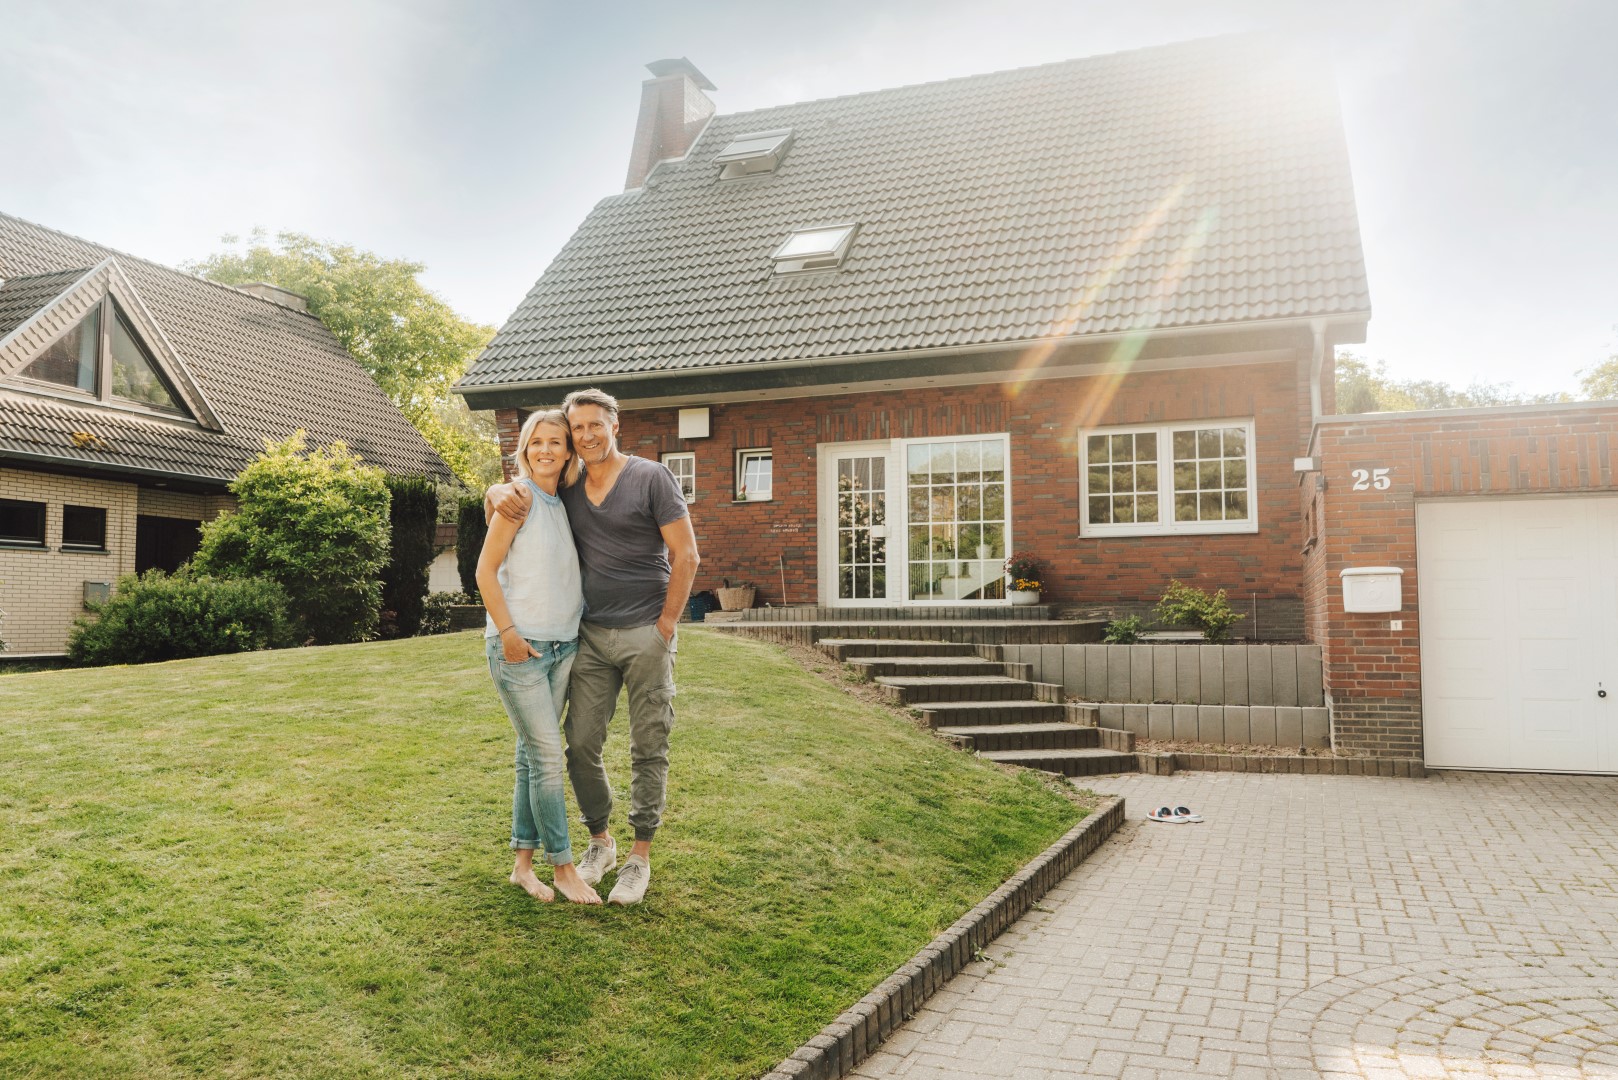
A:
(42, 590)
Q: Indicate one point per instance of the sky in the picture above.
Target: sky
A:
(474, 135)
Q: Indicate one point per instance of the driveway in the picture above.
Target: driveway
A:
(1465, 925)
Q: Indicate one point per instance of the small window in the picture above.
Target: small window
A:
(821, 248)
(684, 468)
(1169, 478)
(753, 474)
(84, 528)
(753, 153)
(22, 523)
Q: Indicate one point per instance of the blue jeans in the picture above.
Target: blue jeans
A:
(533, 692)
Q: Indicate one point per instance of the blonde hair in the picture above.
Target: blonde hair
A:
(555, 418)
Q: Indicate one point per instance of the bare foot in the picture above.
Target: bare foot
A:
(572, 886)
(524, 877)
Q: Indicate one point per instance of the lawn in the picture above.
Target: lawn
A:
(294, 864)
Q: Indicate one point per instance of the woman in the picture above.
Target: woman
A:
(529, 577)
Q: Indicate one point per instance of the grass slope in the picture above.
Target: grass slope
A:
(294, 864)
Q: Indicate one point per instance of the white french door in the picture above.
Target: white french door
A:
(914, 521)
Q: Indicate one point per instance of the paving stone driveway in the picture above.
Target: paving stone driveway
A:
(1465, 925)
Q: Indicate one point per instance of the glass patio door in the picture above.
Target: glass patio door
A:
(956, 519)
(862, 526)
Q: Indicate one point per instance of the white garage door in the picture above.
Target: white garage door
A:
(1519, 633)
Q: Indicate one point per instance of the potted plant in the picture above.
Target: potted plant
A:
(1023, 578)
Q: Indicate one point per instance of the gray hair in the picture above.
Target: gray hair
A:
(591, 396)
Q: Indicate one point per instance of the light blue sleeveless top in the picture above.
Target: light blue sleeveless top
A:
(540, 577)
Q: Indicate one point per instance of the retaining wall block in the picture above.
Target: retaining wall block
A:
(1112, 713)
(1211, 674)
(1136, 718)
(1284, 674)
(1288, 725)
(1052, 664)
(1311, 686)
(1187, 674)
(1316, 728)
(1163, 675)
(1236, 676)
(1140, 672)
(1117, 675)
(1238, 726)
(1159, 721)
(1260, 690)
(1185, 723)
(1211, 723)
(1262, 721)
(1095, 673)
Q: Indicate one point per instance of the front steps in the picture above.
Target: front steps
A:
(966, 693)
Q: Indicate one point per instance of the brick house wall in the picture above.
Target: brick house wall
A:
(755, 541)
(42, 589)
(1373, 673)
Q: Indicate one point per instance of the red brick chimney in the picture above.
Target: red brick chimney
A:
(673, 110)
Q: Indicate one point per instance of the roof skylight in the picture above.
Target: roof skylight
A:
(753, 153)
(822, 248)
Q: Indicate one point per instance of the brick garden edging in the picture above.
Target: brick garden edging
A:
(1166, 764)
(853, 1036)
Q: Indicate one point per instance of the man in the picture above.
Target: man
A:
(638, 556)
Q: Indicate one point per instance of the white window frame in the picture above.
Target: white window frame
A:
(799, 253)
(685, 476)
(1166, 525)
(743, 457)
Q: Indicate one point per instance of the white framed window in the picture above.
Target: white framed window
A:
(753, 153)
(822, 248)
(684, 468)
(1187, 477)
(754, 469)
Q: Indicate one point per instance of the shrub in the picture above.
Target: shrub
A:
(470, 529)
(1186, 605)
(1124, 631)
(435, 611)
(153, 616)
(413, 521)
(314, 522)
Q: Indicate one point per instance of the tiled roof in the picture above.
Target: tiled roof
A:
(1203, 184)
(265, 369)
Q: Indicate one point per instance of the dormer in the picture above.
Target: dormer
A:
(85, 336)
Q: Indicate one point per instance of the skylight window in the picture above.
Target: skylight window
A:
(821, 248)
(753, 153)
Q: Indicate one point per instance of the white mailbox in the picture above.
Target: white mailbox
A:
(1372, 588)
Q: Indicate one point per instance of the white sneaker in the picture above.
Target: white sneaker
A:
(632, 881)
(598, 861)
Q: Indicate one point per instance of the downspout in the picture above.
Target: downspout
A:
(1317, 359)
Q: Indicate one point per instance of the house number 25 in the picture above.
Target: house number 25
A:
(1366, 479)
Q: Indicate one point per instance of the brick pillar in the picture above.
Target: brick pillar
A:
(509, 424)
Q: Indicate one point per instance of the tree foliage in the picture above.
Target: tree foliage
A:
(1363, 387)
(1187, 605)
(409, 340)
(413, 515)
(316, 523)
(470, 530)
(1600, 383)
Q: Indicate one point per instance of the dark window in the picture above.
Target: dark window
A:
(134, 373)
(164, 543)
(22, 522)
(71, 359)
(84, 528)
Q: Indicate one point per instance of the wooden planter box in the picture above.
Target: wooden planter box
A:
(738, 599)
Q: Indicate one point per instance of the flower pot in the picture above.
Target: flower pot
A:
(737, 599)
(1021, 597)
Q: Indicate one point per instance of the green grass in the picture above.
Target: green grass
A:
(293, 864)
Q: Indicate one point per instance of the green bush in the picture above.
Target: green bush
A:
(413, 521)
(316, 523)
(1124, 631)
(153, 616)
(435, 612)
(469, 533)
(1186, 605)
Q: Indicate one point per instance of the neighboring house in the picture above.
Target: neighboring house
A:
(131, 395)
(1085, 311)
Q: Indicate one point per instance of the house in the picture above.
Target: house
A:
(131, 395)
(1084, 311)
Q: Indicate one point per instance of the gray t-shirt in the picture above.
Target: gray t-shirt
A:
(620, 542)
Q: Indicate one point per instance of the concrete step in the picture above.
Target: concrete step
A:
(843, 648)
(937, 714)
(979, 631)
(870, 667)
(912, 689)
(1066, 762)
(1049, 736)
(905, 613)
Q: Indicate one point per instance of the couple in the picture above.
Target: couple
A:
(588, 563)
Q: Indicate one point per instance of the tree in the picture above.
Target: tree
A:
(413, 523)
(1600, 383)
(316, 523)
(403, 334)
(1364, 388)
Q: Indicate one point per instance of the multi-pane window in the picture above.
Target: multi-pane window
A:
(22, 522)
(957, 518)
(1169, 478)
(684, 468)
(753, 474)
(84, 528)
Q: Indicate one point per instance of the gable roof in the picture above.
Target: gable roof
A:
(258, 371)
(1196, 185)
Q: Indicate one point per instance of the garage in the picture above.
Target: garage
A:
(1519, 632)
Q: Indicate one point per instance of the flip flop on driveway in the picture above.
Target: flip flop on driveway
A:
(1185, 814)
(1168, 814)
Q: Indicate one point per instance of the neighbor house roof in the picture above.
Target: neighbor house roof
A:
(1196, 185)
(264, 371)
